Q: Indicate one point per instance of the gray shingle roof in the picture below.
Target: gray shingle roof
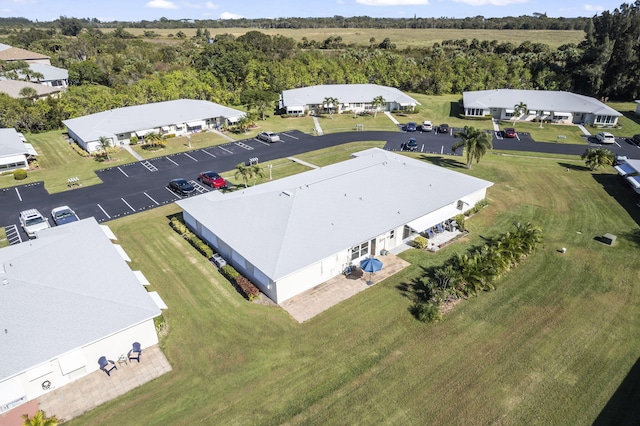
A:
(537, 100)
(288, 224)
(10, 143)
(49, 72)
(345, 93)
(148, 116)
(62, 291)
(13, 88)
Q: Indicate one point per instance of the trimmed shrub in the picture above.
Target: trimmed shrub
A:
(460, 220)
(178, 226)
(420, 242)
(229, 272)
(20, 174)
(133, 140)
(169, 135)
(246, 288)
(427, 312)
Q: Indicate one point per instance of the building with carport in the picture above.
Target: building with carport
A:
(292, 234)
(180, 117)
(14, 152)
(629, 170)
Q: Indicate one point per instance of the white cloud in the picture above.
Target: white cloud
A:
(161, 4)
(490, 2)
(593, 8)
(206, 5)
(229, 15)
(211, 5)
(392, 2)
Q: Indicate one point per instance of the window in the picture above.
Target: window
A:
(359, 250)
(392, 234)
(477, 112)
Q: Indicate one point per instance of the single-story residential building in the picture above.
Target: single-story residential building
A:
(354, 98)
(14, 151)
(10, 53)
(547, 105)
(66, 299)
(14, 87)
(179, 117)
(629, 170)
(51, 76)
(292, 234)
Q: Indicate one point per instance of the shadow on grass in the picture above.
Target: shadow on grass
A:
(623, 194)
(443, 162)
(623, 407)
(631, 115)
(576, 167)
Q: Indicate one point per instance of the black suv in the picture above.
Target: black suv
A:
(635, 140)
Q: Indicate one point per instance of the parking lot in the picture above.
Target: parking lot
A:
(139, 186)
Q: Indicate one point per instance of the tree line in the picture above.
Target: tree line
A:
(115, 69)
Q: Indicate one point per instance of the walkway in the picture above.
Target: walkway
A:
(317, 127)
(304, 163)
(96, 388)
(133, 152)
(312, 302)
(224, 135)
(584, 130)
(496, 124)
(392, 118)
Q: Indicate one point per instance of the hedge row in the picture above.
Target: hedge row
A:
(196, 242)
(242, 284)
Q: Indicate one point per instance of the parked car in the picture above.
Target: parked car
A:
(212, 179)
(32, 222)
(605, 138)
(412, 145)
(64, 214)
(443, 128)
(427, 126)
(270, 137)
(181, 186)
(635, 139)
(509, 132)
(411, 127)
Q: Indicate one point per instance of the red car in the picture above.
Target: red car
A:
(212, 179)
(509, 132)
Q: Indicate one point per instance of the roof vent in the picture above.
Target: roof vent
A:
(5, 281)
(287, 193)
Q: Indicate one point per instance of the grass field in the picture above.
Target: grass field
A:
(401, 37)
(550, 346)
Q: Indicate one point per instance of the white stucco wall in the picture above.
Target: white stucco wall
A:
(30, 382)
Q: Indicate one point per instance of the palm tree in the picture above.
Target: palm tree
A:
(243, 123)
(256, 172)
(105, 144)
(377, 103)
(40, 419)
(476, 143)
(329, 103)
(519, 110)
(28, 93)
(243, 172)
(597, 157)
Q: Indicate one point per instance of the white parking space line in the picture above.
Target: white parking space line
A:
(292, 137)
(19, 196)
(225, 149)
(103, 211)
(171, 192)
(208, 153)
(149, 197)
(123, 172)
(261, 141)
(187, 155)
(128, 205)
(172, 161)
(618, 144)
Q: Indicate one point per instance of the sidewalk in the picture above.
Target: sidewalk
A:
(317, 127)
(304, 163)
(132, 152)
(392, 118)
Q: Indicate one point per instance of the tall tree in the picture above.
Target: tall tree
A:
(244, 172)
(105, 145)
(597, 157)
(330, 103)
(377, 103)
(476, 143)
(70, 26)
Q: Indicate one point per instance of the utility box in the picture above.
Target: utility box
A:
(608, 239)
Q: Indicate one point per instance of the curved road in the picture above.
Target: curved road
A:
(140, 186)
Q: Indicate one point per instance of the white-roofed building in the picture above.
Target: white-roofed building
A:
(13, 151)
(547, 105)
(66, 299)
(51, 76)
(629, 170)
(292, 234)
(351, 97)
(179, 117)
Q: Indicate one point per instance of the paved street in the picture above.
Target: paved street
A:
(139, 186)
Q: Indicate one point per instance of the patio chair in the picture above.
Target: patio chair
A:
(135, 352)
(430, 233)
(440, 228)
(107, 365)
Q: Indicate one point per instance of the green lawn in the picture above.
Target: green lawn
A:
(347, 122)
(59, 162)
(550, 346)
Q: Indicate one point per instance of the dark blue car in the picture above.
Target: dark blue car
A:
(411, 127)
(181, 187)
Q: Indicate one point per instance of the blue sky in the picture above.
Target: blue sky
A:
(136, 10)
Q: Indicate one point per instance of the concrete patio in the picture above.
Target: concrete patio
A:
(97, 388)
(312, 302)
